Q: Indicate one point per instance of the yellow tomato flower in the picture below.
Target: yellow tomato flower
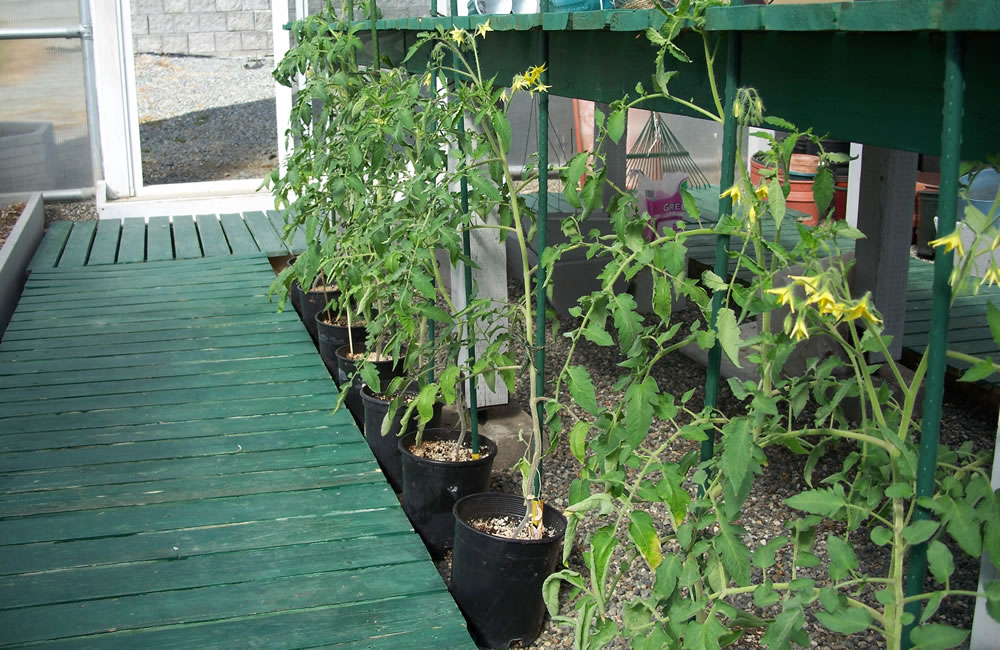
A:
(823, 300)
(534, 73)
(992, 276)
(809, 282)
(458, 35)
(761, 192)
(483, 28)
(799, 331)
(862, 309)
(734, 192)
(520, 83)
(540, 88)
(949, 243)
(786, 296)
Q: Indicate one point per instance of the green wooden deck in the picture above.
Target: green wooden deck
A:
(70, 244)
(170, 472)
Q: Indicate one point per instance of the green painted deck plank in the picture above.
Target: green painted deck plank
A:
(195, 341)
(186, 242)
(313, 399)
(105, 247)
(95, 326)
(390, 623)
(27, 339)
(172, 330)
(270, 481)
(213, 240)
(190, 267)
(216, 602)
(194, 457)
(207, 570)
(206, 512)
(46, 290)
(160, 311)
(133, 244)
(159, 239)
(277, 423)
(78, 245)
(221, 395)
(298, 243)
(159, 358)
(51, 246)
(240, 240)
(273, 372)
(131, 297)
(264, 233)
(318, 526)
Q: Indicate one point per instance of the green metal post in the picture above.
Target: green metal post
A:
(430, 323)
(725, 209)
(467, 250)
(951, 145)
(541, 232)
(375, 57)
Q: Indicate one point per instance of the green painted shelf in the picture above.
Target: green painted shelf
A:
(858, 71)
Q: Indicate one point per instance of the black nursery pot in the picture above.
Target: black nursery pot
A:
(312, 303)
(329, 338)
(431, 487)
(497, 582)
(346, 366)
(386, 448)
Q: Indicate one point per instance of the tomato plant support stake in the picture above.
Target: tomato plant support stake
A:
(725, 210)
(951, 143)
(467, 250)
(541, 235)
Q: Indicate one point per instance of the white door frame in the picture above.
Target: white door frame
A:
(122, 192)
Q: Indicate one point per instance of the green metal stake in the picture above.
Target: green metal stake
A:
(375, 57)
(430, 323)
(541, 233)
(725, 209)
(467, 250)
(951, 145)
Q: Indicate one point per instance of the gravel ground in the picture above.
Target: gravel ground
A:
(765, 513)
(205, 118)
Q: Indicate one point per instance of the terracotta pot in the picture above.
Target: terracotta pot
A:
(799, 198)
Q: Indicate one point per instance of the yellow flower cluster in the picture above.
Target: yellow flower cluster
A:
(818, 293)
(531, 80)
(736, 194)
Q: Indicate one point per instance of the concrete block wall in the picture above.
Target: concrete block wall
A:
(239, 28)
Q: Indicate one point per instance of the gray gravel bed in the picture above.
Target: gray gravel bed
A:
(765, 514)
(205, 118)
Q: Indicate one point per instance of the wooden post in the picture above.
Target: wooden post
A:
(489, 281)
(614, 155)
(885, 215)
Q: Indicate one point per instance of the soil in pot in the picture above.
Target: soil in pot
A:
(332, 334)
(347, 363)
(313, 302)
(497, 581)
(433, 480)
(386, 448)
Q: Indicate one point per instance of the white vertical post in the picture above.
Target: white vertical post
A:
(281, 40)
(114, 77)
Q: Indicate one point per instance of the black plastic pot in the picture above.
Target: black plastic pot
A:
(497, 582)
(386, 448)
(314, 302)
(431, 487)
(329, 338)
(346, 366)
